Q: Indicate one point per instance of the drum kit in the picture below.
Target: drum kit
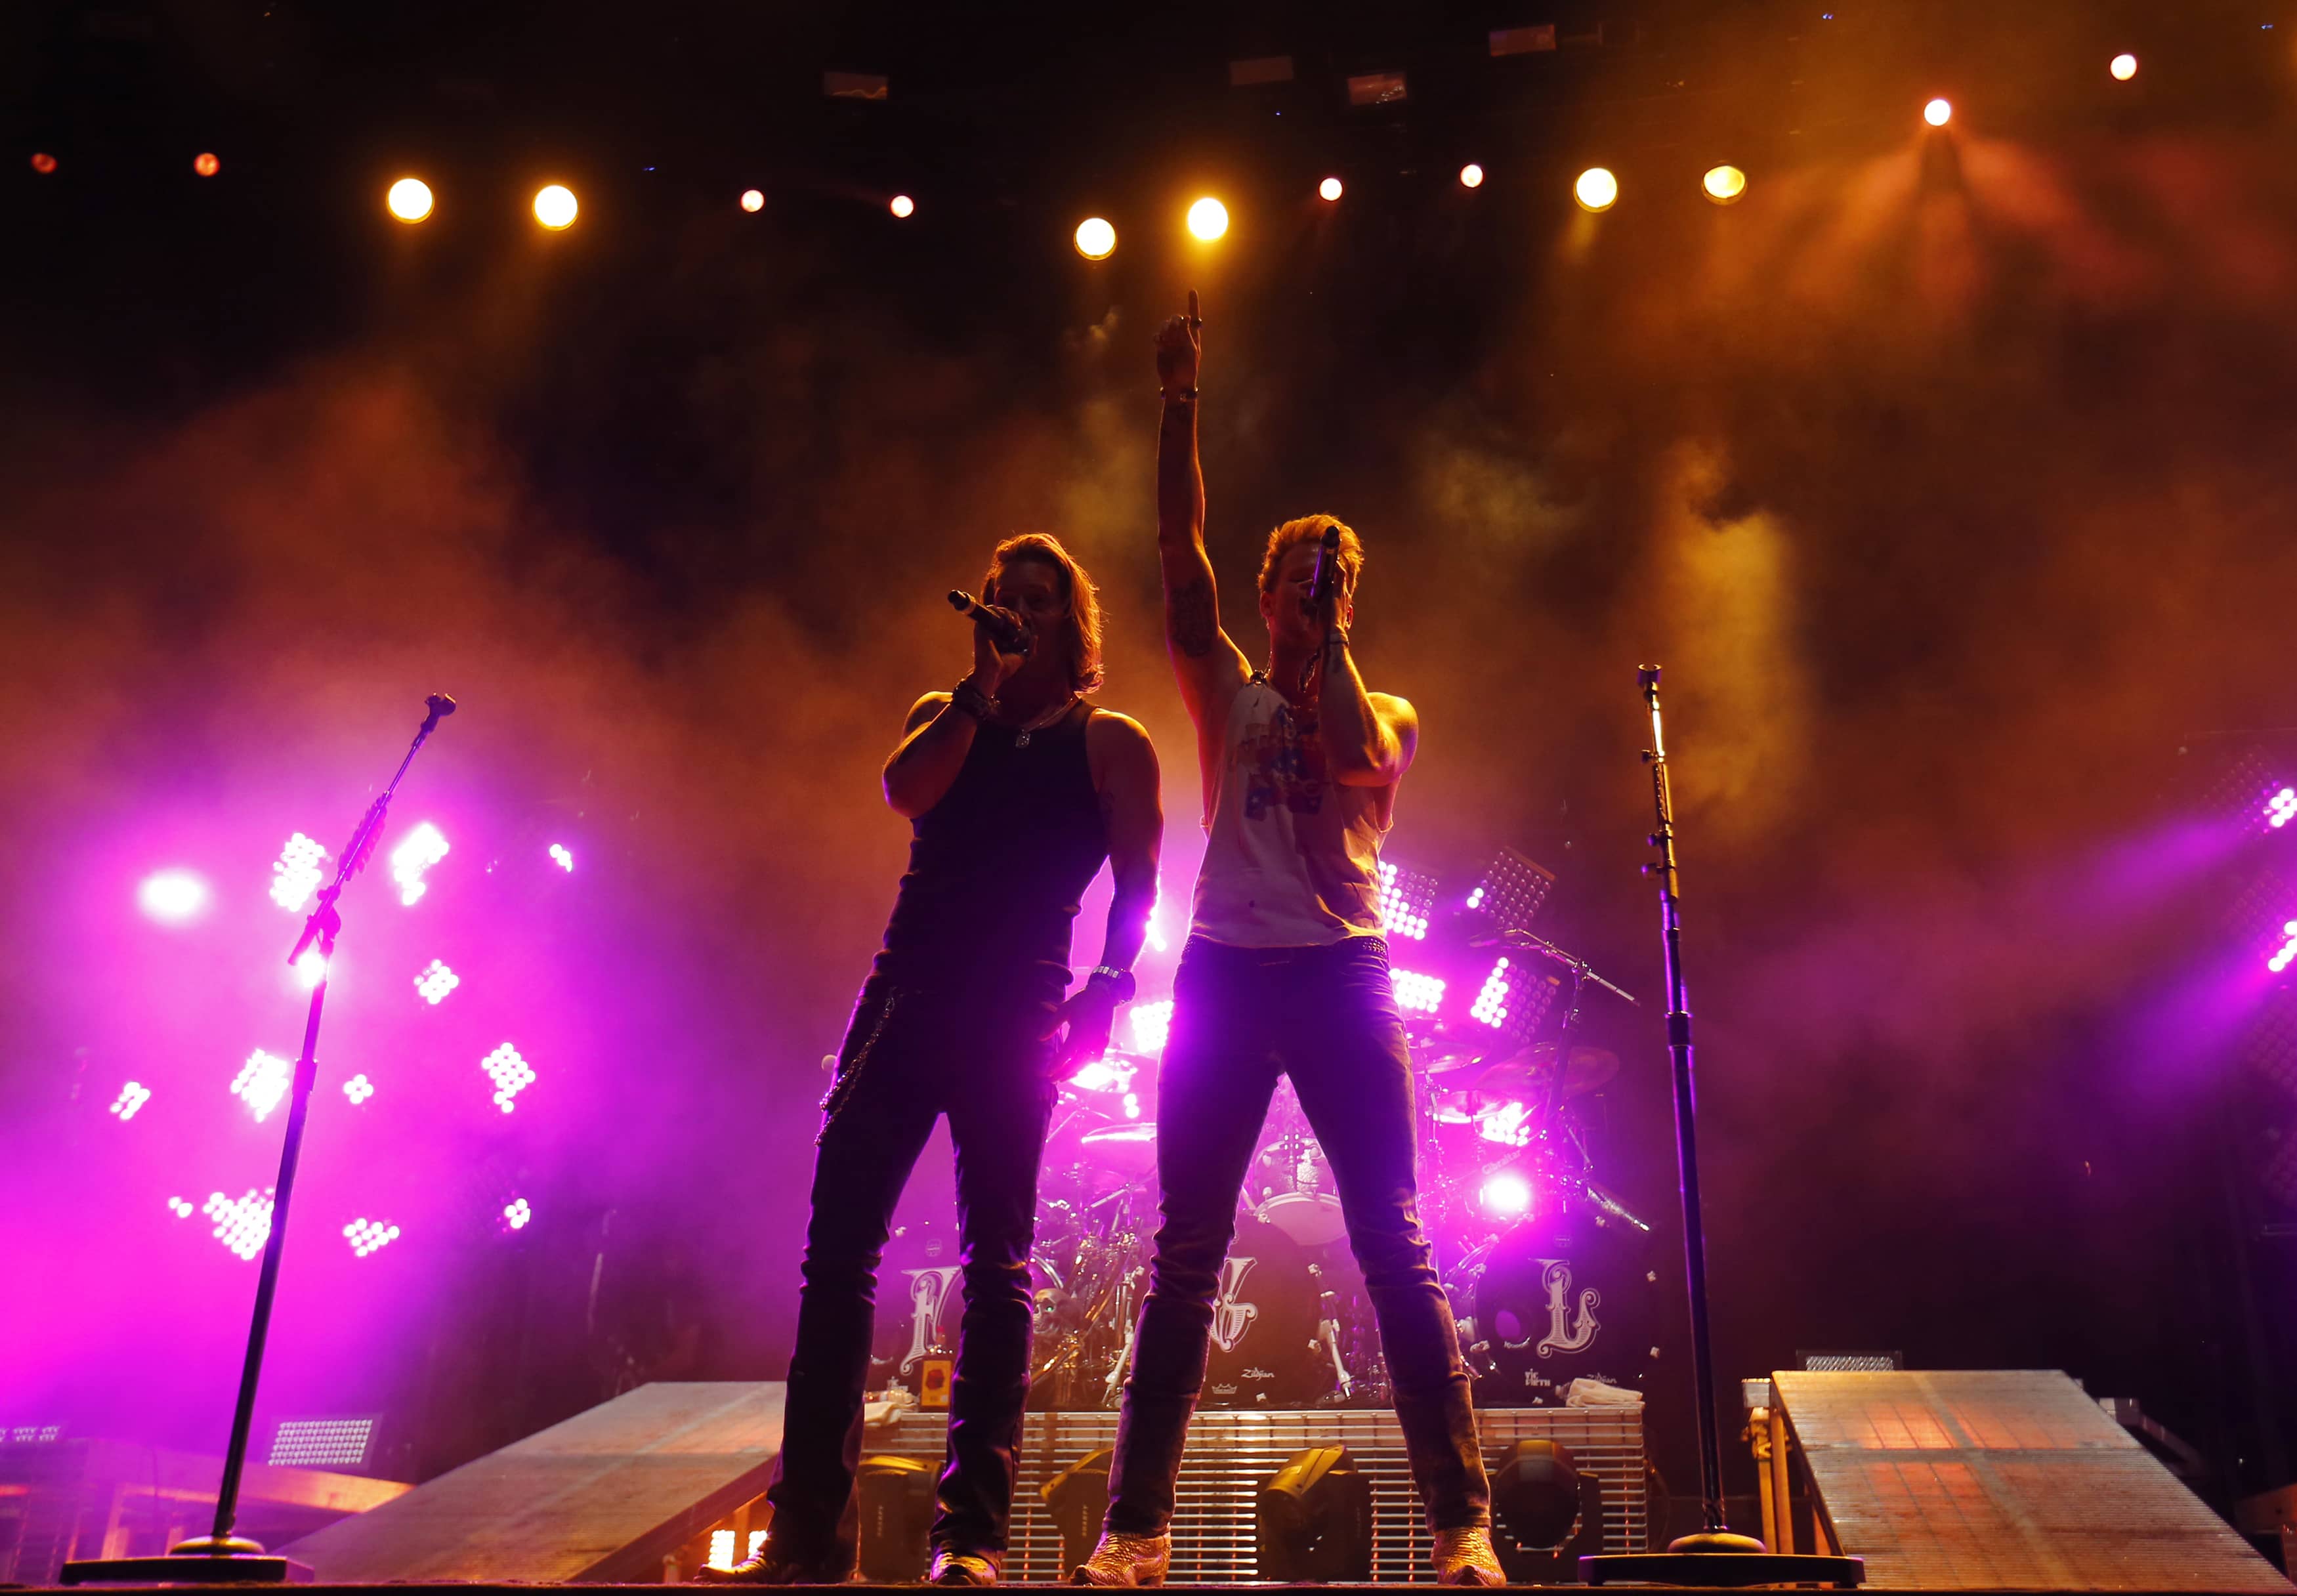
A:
(1545, 1268)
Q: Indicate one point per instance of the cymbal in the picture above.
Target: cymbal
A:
(1131, 1146)
(1534, 1068)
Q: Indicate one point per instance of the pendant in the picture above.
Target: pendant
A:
(1021, 741)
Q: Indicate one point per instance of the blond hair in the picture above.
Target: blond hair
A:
(1082, 642)
(1310, 529)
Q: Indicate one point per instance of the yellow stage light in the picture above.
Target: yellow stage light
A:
(1724, 184)
(903, 207)
(1596, 189)
(555, 207)
(1208, 219)
(1096, 238)
(1330, 188)
(409, 199)
(206, 165)
(1937, 112)
(1471, 175)
(2124, 66)
(753, 200)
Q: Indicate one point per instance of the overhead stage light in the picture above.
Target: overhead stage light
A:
(902, 207)
(555, 207)
(1596, 189)
(2124, 66)
(1313, 1519)
(1939, 112)
(205, 164)
(1208, 219)
(296, 872)
(1096, 238)
(1329, 189)
(409, 199)
(1471, 175)
(2281, 808)
(172, 897)
(419, 850)
(132, 1097)
(753, 200)
(1724, 184)
(43, 162)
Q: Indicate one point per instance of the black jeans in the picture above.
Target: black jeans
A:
(909, 1057)
(1241, 1017)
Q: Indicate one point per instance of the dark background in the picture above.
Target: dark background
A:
(1948, 475)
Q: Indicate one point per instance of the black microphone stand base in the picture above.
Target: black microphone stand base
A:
(209, 1560)
(1713, 1558)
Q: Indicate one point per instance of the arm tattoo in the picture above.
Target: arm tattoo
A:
(1190, 619)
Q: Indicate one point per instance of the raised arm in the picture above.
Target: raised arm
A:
(1124, 774)
(1210, 667)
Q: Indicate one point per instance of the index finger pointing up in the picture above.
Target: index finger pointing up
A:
(1194, 319)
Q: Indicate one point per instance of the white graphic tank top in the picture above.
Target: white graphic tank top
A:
(1293, 857)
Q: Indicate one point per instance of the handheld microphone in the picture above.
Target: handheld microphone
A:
(1328, 568)
(1007, 630)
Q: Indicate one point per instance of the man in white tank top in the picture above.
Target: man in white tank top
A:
(1284, 972)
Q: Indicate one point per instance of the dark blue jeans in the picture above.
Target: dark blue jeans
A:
(1327, 1016)
(909, 1057)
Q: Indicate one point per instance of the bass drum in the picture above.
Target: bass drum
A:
(1265, 1349)
(1565, 1297)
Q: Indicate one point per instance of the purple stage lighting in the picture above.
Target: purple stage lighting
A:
(2280, 961)
(172, 897)
(1406, 899)
(1490, 1003)
(181, 1208)
(359, 1089)
(436, 982)
(262, 1081)
(1098, 1075)
(517, 1213)
(242, 1224)
(1508, 1123)
(131, 1097)
(416, 852)
(1506, 1195)
(1156, 932)
(1415, 991)
(296, 873)
(311, 968)
(369, 1235)
(2280, 808)
(25, 1434)
(511, 1074)
(1151, 1022)
(560, 857)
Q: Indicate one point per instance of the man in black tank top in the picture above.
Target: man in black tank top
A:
(1016, 790)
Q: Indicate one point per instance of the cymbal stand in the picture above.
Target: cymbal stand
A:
(1713, 1556)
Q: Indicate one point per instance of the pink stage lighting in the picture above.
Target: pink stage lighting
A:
(1156, 932)
(2281, 808)
(1101, 1074)
(296, 873)
(172, 897)
(311, 968)
(369, 1235)
(242, 1224)
(511, 1074)
(2281, 961)
(562, 858)
(516, 1215)
(436, 982)
(1508, 1123)
(1151, 1022)
(131, 1097)
(1490, 1003)
(416, 852)
(1406, 899)
(1506, 1195)
(181, 1208)
(261, 1081)
(1415, 990)
(359, 1089)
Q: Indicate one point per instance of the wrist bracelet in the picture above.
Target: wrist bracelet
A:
(972, 700)
(1120, 982)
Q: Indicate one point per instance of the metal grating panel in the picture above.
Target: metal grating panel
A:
(1988, 1479)
(1231, 1454)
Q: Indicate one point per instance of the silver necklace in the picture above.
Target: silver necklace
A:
(1043, 720)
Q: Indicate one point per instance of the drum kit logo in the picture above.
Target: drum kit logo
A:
(1233, 1318)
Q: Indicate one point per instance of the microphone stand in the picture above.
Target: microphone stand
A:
(1714, 1557)
(224, 1557)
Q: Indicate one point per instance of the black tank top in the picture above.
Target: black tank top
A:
(998, 866)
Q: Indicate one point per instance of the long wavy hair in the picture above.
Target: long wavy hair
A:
(1080, 643)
